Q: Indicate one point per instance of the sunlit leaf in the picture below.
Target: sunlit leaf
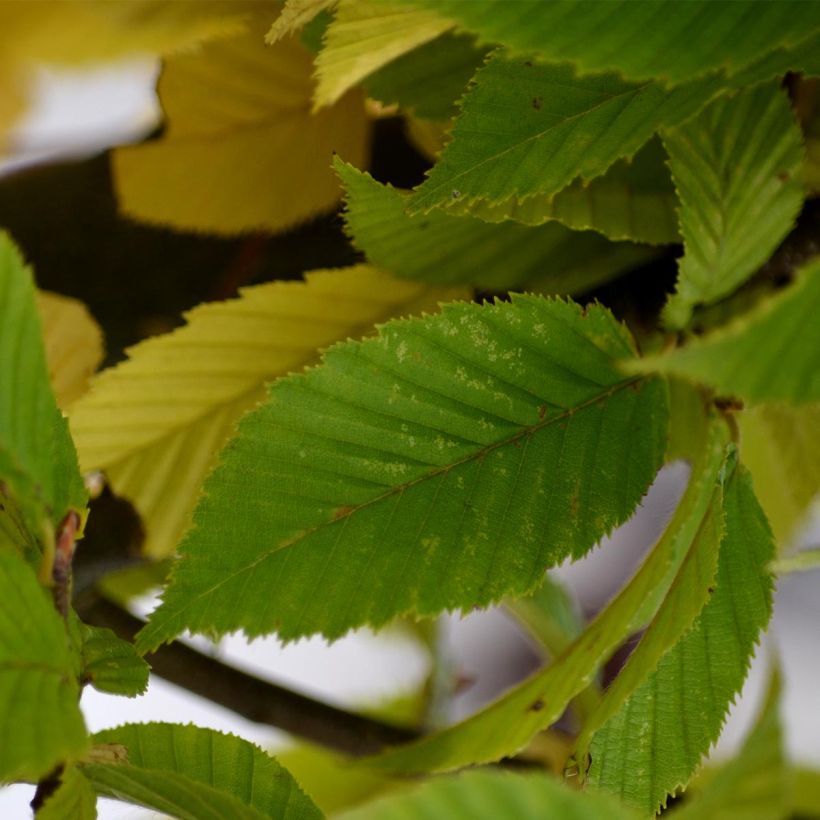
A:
(40, 720)
(493, 795)
(527, 129)
(736, 167)
(294, 15)
(654, 736)
(641, 41)
(241, 150)
(73, 345)
(197, 774)
(746, 357)
(507, 726)
(441, 248)
(157, 453)
(442, 465)
(365, 35)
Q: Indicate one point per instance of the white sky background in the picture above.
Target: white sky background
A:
(76, 113)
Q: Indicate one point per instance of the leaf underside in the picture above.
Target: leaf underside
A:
(440, 466)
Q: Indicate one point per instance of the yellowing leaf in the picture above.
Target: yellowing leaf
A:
(73, 343)
(156, 421)
(242, 150)
(295, 14)
(364, 36)
(782, 449)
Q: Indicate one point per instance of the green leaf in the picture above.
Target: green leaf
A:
(492, 795)
(431, 78)
(746, 357)
(507, 726)
(673, 41)
(441, 248)
(111, 664)
(294, 15)
(241, 150)
(806, 793)
(38, 465)
(654, 736)
(197, 774)
(782, 449)
(74, 799)
(634, 199)
(157, 454)
(756, 784)
(736, 166)
(40, 720)
(383, 482)
(363, 36)
(528, 129)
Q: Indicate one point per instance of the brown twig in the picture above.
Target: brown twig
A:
(251, 697)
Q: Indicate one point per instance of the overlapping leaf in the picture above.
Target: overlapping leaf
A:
(489, 795)
(73, 345)
(365, 35)
(74, 799)
(746, 357)
(40, 720)
(38, 466)
(653, 738)
(641, 41)
(157, 437)
(757, 782)
(506, 726)
(781, 447)
(197, 774)
(241, 150)
(438, 247)
(528, 129)
(442, 465)
(111, 664)
(634, 199)
(736, 166)
(294, 15)
(430, 79)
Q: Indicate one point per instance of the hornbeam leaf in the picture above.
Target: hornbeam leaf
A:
(640, 41)
(38, 465)
(111, 664)
(489, 795)
(365, 35)
(241, 150)
(650, 742)
(754, 785)
(737, 168)
(197, 774)
(74, 798)
(157, 452)
(528, 129)
(782, 449)
(440, 466)
(745, 357)
(295, 14)
(438, 247)
(40, 720)
(73, 345)
(508, 725)
(635, 199)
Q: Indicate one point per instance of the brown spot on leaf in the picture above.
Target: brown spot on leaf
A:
(542, 412)
(536, 705)
(341, 512)
(783, 176)
(537, 102)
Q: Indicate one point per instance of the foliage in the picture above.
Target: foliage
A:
(481, 385)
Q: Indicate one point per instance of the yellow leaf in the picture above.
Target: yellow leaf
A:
(781, 447)
(241, 151)
(366, 35)
(427, 136)
(73, 343)
(295, 15)
(155, 422)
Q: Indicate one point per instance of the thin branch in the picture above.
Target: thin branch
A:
(251, 697)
